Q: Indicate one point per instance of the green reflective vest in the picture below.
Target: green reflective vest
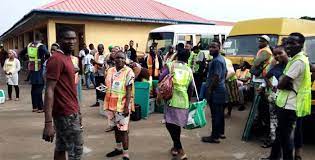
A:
(303, 97)
(182, 76)
(32, 51)
(192, 61)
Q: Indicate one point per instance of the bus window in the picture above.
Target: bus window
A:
(205, 41)
(222, 39)
(217, 37)
(184, 39)
(310, 48)
(198, 37)
(163, 40)
(245, 45)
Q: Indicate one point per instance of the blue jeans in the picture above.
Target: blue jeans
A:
(217, 116)
(89, 77)
(203, 91)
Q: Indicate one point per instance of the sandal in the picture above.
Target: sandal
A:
(174, 152)
(183, 157)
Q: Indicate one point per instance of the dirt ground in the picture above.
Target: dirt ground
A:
(21, 130)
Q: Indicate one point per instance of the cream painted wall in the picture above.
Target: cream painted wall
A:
(107, 33)
(51, 33)
(118, 33)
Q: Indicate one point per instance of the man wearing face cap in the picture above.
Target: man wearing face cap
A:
(264, 56)
(293, 99)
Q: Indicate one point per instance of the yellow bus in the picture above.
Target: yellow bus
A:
(242, 42)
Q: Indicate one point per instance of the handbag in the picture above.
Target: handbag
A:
(197, 115)
(165, 87)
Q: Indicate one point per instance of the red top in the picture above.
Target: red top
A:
(60, 68)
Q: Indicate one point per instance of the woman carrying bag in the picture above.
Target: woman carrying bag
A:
(176, 112)
(11, 68)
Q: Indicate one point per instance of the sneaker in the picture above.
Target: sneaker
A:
(241, 108)
(114, 153)
(222, 136)
(125, 158)
(97, 104)
(209, 140)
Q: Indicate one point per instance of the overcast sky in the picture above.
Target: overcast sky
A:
(227, 10)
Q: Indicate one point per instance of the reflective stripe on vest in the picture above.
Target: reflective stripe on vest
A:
(303, 97)
(150, 64)
(32, 51)
(267, 62)
(115, 97)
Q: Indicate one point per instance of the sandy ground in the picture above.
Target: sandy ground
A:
(21, 130)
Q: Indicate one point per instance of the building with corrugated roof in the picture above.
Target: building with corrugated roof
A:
(110, 22)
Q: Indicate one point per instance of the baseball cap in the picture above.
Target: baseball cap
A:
(265, 37)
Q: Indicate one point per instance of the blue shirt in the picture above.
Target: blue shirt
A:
(217, 67)
(276, 71)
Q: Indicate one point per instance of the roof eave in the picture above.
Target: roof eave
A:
(115, 17)
(35, 12)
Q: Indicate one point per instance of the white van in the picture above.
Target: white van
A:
(187, 33)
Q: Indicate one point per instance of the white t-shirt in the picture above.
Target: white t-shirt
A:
(295, 72)
(87, 62)
(101, 70)
(82, 54)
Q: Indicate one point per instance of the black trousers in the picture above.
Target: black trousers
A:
(218, 122)
(98, 81)
(17, 91)
(175, 132)
(298, 134)
(284, 142)
(37, 97)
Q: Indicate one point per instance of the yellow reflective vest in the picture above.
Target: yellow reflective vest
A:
(34, 61)
(303, 97)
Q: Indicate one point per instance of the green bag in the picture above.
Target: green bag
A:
(197, 115)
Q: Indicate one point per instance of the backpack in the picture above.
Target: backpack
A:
(165, 87)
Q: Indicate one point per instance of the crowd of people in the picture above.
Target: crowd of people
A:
(280, 75)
